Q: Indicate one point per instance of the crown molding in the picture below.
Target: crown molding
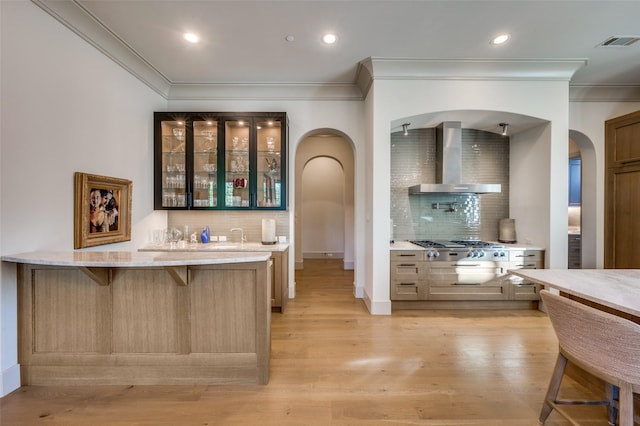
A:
(265, 91)
(73, 16)
(583, 93)
(79, 20)
(465, 69)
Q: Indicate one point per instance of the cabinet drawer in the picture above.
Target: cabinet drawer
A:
(408, 290)
(467, 292)
(526, 291)
(408, 255)
(407, 270)
(526, 255)
(526, 264)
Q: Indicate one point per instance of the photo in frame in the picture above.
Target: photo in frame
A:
(102, 210)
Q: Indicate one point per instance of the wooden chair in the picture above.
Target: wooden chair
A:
(602, 344)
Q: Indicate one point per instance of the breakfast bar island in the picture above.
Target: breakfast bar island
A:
(143, 318)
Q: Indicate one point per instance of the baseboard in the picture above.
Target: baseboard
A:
(292, 290)
(377, 308)
(358, 292)
(299, 266)
(323, 255)
(9, 380)
(349, 265)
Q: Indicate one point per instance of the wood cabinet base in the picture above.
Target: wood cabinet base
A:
(143, 326)
(463, 304)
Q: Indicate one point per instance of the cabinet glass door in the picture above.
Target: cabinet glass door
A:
(236, 191)
(269, 163)
(205, 163)
(174, 185)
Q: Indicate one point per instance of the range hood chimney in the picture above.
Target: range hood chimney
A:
(449, 165)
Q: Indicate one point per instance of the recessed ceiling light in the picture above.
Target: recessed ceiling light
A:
(500, 39)
(290, 38)
(191, 37)
(329, 38)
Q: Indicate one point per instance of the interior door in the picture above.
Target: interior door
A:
(622, 187)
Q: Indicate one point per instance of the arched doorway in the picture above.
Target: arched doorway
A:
(324, 160)
(588, 200)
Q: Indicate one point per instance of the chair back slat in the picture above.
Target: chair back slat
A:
(601, 341)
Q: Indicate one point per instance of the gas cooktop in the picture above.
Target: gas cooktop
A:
(456, 244)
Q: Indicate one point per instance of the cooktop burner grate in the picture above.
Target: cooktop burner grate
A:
(477, 244)
(456, 244)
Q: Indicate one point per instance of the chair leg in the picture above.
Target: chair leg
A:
(626, 404)
(613, 397)
(554, 387)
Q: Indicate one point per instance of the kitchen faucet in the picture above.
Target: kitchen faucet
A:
(242, 237)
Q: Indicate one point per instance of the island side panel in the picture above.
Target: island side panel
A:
(151, 319)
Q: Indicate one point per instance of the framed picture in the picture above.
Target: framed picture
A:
(102, 210)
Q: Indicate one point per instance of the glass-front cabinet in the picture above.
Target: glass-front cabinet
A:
(220, 160)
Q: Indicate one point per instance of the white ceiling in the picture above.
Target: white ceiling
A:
(243, 41)
(243, 51)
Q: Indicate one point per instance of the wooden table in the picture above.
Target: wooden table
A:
(143, 318)
(612, 290)
(616, 291)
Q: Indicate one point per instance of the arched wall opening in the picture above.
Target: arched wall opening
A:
(588, 204)
(322, 157)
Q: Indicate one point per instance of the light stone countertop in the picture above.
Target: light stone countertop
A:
(216, 247)
(405, 245)
(124, 259)
(616, 288)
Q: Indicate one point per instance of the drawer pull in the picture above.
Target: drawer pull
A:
(525, 255)
(408, 264)
(407, 283)
(407, 255)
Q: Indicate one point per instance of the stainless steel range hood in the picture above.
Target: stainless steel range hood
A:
(449, 165)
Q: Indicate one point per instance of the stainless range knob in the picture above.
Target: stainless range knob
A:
(436, 254)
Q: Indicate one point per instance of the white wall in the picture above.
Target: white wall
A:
(65, 108)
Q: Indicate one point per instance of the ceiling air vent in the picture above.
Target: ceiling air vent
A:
(619, 41)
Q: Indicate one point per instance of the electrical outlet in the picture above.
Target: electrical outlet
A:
(222, 238)
(213, 238)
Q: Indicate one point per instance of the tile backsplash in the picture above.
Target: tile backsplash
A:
(221, 222)
(485, 159)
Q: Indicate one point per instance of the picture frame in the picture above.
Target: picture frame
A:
(102, 210)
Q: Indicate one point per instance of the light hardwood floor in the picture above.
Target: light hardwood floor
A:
(334, 364)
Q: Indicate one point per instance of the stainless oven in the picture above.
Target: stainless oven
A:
(465, 270)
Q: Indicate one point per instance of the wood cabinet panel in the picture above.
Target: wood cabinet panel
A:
(145, 312)
(70, 313)
(222, 314)
(280, 280)
(622, 183)
(624, 228)
(625, 142)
